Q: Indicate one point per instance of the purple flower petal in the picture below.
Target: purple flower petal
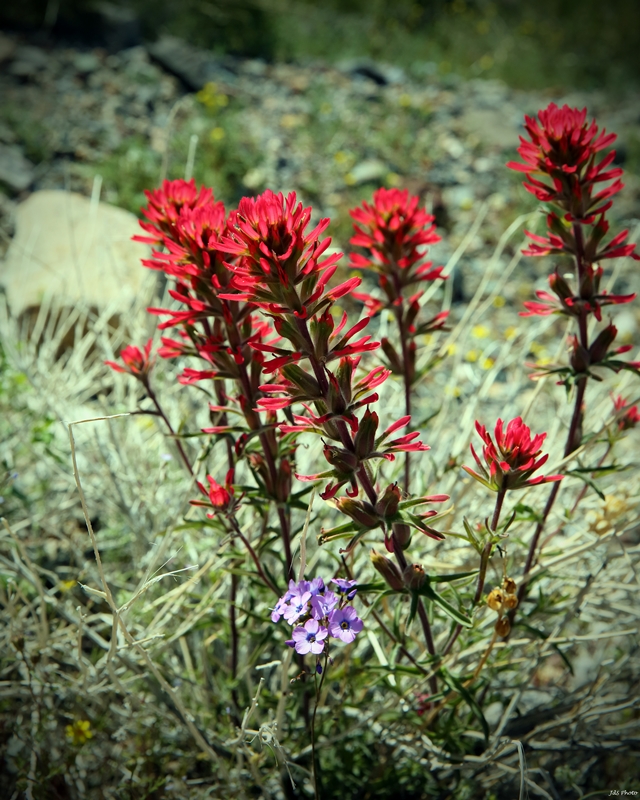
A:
(344, 624)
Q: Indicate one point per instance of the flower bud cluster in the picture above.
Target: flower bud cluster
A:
(627, 416)
(136, 362)
(502, 600)
(316, 612)
(220, 499)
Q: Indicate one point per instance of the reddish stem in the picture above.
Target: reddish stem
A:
(574, 436)
(165, 419)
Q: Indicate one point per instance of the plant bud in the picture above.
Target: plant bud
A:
(511, 601)
(344, 375)
(559, 286)
(393, 358)
(359, 511)
(283, 484)
(509, 585)
(495, 599)
(388, 570)
(387, 505)
(344, 461)
(402, 534)
(365, 439)
(302, 380)
(414, 576)
(503, 627)
(603, 342)
(579, 358)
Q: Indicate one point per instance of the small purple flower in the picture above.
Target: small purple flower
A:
(345, 587)
(316, 587)
(344, 624)
(298, 606)
(279, 609)
(309, 638)
(321, 605)
(293, 589)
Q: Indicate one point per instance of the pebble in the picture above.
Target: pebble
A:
(15, 170)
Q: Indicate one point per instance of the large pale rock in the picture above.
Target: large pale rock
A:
(74, 250)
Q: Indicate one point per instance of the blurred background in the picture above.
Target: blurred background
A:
(530, 45)
(331, 99)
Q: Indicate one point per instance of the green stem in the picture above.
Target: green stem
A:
(317, 787)
(172, 433)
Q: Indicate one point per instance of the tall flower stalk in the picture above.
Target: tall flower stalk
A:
(190, 226)
(279, 269)
(563, 170)
(393, 233)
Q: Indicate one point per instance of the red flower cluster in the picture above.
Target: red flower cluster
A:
(219, 498)
(262, 256)
(166, 205)
(627, 416)
(563, 148)
(279, 267)
(510, 462)
(135, 361)
(394, 232)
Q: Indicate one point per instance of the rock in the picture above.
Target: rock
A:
(6, 134)
(7, 48)
(369, 170)
(69, 248)
(28, 61)
(86, 63)
(194, 66)
(496, 128)
(381, 74)
(15, 170)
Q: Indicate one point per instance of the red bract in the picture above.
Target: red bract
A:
(278, 264)
(165, 206)
(134, 361)
(510, 462)
(565, 302)
(627, 416)
(219, 498)
(562, 146)
(394, 229)
(394, 232)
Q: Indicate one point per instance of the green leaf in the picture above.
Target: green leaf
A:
(466, 695)
(454, 576)
(415, 597)
(588, 481)
(426, 591)
(340, 532)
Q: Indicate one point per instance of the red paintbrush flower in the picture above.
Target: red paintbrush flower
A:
(510, 462)
(563, 146)
(219, 498)
(278, 264)
(627, 416)
(393, 228)
(134, 361)
(166, 204)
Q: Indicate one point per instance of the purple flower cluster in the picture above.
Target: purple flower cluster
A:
(319, 613)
